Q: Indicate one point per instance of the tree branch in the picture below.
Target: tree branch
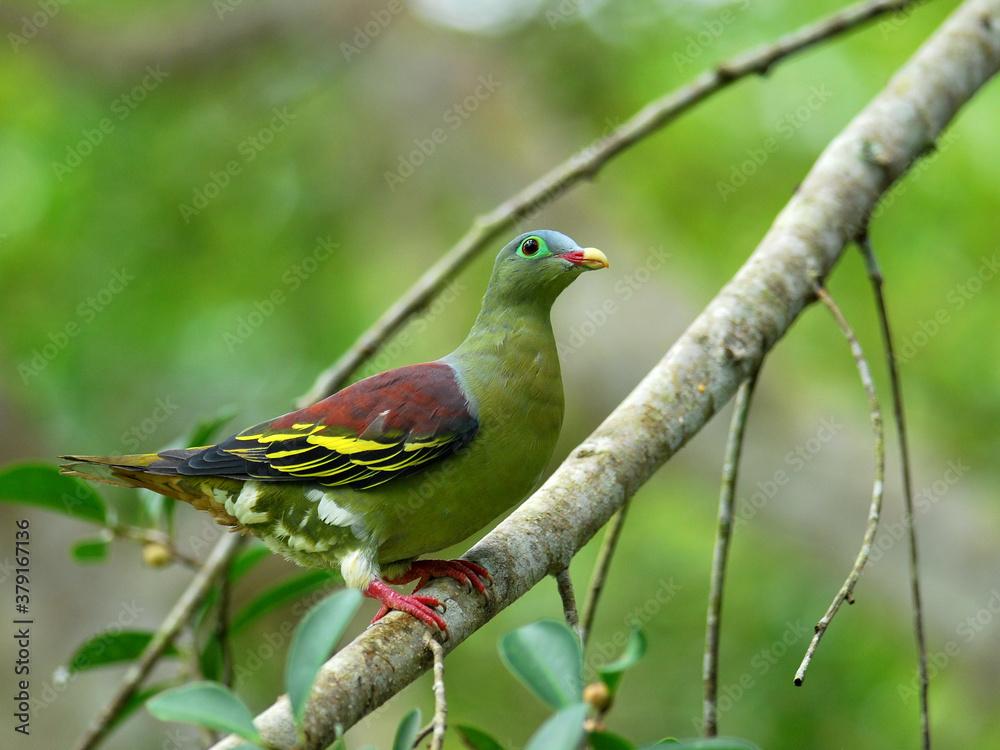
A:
(699, 374)
(584, 165)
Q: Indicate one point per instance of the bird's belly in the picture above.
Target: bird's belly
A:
(453, 500)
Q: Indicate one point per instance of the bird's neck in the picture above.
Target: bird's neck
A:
(509, 337)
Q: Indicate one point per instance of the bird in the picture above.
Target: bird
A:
(402, 463)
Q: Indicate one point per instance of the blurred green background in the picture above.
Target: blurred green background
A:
(168, 171)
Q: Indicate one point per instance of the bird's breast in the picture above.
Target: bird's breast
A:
(516, 393)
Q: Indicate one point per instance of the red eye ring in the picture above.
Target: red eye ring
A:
(529, 247)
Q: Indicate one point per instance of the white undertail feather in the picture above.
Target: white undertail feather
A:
(334, 515)
(242, 509)
(359, 569)
(303, 543)
(328, 510)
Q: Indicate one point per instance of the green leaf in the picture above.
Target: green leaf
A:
(153, 506)
(608, 741)
(611, 674)
(561, 731)
(207, 703)
(136, 700)
(205, 429)
(247, 558)
(312, 643)
(284, 592)
(205, 607)
(406, 733)
(546, 656)
(477, 739)
(211, 659)
(43, 486)
(703, 743)
(242, 563)
(112, 648)
(90, 550)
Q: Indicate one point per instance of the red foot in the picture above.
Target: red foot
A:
(423, 607)
(463, 571)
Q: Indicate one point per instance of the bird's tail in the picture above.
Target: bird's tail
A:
(108, 469)
(158, 472)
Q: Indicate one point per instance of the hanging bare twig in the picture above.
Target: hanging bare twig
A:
(730, 469)
(568, 597)
(878, 485)
(611, 534)
(875, 275)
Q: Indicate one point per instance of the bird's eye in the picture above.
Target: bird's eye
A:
(529, 247)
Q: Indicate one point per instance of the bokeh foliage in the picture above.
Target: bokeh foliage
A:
(156, 316)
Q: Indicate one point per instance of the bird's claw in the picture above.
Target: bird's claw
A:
(424, 608)
(469, 574)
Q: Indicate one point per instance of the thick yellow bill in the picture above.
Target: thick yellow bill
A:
(594, 258)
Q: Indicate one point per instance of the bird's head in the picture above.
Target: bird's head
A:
(539, 265)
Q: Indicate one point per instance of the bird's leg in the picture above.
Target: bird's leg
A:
(421, 607)
(463, 571)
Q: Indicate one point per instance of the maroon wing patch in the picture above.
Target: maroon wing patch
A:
(382, 427)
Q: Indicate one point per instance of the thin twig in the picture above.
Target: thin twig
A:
(875, 275)
(422, 735)
(875, 509)
(213, 566)
(222, 623)
(565, 584)
(440, 722)
(611, 534)
(585, 164)
(730, 469)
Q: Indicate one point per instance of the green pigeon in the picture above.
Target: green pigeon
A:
(399, 464)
